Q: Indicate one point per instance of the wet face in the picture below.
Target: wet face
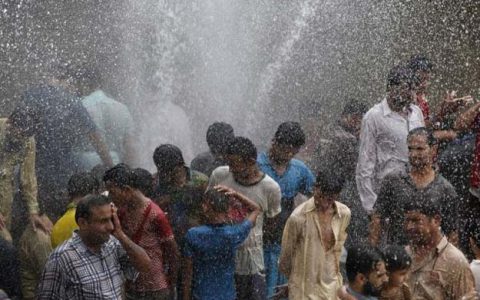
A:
(419, 151)
(283, 153)
(239, 167)
(118, 194)
(352, 123)
(323, 200)
(424, 81)
(179, 176)
(99, 226)
(376, 280)
(419, 227)
(400, 97)
(397, 278)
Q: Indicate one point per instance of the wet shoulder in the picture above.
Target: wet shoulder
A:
(298, 164)
(455, 258)
(269, 184)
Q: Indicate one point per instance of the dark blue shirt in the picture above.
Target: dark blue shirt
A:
(212, 249)
(297, 178)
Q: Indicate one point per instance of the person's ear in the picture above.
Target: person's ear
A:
(360, 278)
(437, 219)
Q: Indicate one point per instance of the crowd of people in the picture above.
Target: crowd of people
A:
(386, 205)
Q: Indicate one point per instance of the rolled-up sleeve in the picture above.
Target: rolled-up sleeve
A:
(28, 177)
(367, 158)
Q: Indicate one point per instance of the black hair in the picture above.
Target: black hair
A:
(84, 207)
(423, 204)
(361, 259)
(166, 157)
(474, 231)
(354, 107)
(144, 181)
(219, 135)
(329, 184)
(218, 201)
(420, 62)
(82, 184)
(290, 133)
(120, 175)
(401, 75)
(242, 147)
(427, 133)
(396, 258)
(99, 171)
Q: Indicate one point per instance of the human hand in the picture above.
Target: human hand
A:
(451, 104)
(281, 292)
(225, 189)
(41, 222)
(117, 227)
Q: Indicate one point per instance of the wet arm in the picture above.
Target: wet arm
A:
(464, 120)
(99, 144)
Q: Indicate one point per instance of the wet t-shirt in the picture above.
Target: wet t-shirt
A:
(212, 249)
(60, 122)
(398, 188)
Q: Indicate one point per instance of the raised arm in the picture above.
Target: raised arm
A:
(135, 253)
(465, 120)
(251, 205)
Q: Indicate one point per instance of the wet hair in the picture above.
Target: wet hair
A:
(84, 207)
(424, 205)
(82, 184)
(354, 107)
(121, 176)
(423, 131)
(219, 135)
(99, 171)
(474, 231)
(401, 75)
(290, 133)
(329, 184)
(242, 147)
(396, 258)
(420, 62)
(166, 157)
(144, 181)
(218, 201)
(361, 259)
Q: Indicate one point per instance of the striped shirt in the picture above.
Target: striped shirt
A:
(74, 272)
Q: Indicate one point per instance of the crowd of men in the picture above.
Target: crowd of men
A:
(385, 207)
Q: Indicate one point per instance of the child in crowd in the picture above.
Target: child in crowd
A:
(210, 249)
(397, 263)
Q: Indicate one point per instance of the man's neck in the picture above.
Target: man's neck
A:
(424, 249)
(422, 176)
(255, 175)
(75, 200)
(217, 219)
(137, 201)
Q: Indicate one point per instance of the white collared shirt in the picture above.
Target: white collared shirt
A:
(383, 147)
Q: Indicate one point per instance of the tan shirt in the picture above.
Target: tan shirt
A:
(444, 274)
(25, 158)
(303, 258)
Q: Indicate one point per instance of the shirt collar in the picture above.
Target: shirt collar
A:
(310, 206)
(80, 246)
(442, 245)
(385, 107)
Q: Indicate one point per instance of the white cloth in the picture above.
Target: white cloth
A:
(383, 147)
(266, 193)
(475, 267)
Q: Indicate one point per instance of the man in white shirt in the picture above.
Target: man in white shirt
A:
(383, 135)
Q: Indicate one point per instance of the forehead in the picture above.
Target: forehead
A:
(101, 212)
(417, 139)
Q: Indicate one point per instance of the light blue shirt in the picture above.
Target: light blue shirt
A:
(114, 122)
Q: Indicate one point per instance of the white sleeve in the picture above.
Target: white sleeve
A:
(274, 201)
(367, 157)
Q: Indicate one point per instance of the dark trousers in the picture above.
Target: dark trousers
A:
(251, 287)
